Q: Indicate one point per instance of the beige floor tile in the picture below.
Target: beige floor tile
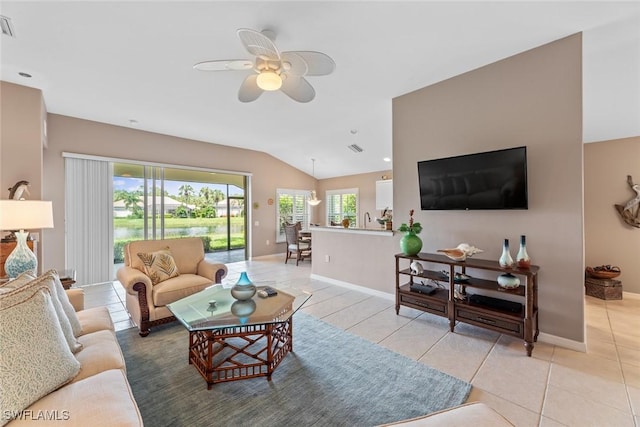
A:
(541, 350)
(516, 414)
(357, 313)
(333, 305)
(604, 349)
(127, 324)
(590, 387)
(514, 377)
(627, 339)
(548, 422)
(634, 398)
(588, 363)
(382, 324)
(416, 337)
(574, 410)
(631, 375)
(630, 356)
(601, 332)
(469, 354)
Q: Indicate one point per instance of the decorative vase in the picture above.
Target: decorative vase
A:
(22, 258)
(508, 281)
(522, 259)
(345, 223)
(244, 289)
(505, 260)
(410, 244)
(243, 309)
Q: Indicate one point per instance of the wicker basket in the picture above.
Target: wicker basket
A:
(603, 274)
(606, 289)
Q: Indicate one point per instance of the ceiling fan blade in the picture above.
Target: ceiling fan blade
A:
(294, 64)
(258, 44)
(249, 90)
(298, 88)
(318, 63)
(224, 65)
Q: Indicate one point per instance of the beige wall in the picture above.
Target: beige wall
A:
(22, 116)
(366, 185)
(67, 134)
(21, 136)
(532, 99)
(608, 239)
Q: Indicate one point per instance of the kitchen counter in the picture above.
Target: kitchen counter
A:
(359, 230)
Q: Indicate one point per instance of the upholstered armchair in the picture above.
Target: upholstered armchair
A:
(159, 272)
(295, 244)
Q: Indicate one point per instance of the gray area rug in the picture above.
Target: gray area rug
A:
(333, 378)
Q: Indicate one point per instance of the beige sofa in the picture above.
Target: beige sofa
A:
(475, 414)
(99, 396)
(147, 302)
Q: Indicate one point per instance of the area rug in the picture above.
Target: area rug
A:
(332, 378)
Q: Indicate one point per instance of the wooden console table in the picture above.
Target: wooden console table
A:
(522, 324)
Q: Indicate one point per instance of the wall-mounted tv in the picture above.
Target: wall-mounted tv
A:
(490, 180)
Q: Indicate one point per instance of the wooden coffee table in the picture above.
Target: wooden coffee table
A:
(235, 340)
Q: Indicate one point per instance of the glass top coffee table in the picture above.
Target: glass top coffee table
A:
(232, 340)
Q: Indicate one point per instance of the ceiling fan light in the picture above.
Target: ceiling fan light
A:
(269, 80)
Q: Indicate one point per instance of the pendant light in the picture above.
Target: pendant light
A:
(313, 201)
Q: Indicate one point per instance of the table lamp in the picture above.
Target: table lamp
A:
(22, 215)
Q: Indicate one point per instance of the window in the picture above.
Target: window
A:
(292, 207)
(161, 202)
(342, 204)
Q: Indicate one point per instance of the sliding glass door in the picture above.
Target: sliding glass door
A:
(153, 202)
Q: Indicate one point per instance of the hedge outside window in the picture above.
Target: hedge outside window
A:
(291, 206)
(342, 204)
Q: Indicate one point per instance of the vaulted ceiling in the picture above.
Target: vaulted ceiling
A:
(130, 64)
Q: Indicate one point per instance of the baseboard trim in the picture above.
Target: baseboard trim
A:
(563, 342)
(363, 289)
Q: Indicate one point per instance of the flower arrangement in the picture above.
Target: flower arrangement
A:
(413, 227)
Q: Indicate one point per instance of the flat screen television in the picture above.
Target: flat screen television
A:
(489, 180)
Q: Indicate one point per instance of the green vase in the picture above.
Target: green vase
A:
(410, 244)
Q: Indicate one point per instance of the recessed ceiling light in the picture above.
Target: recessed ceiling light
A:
(386, 159)
(27, 75)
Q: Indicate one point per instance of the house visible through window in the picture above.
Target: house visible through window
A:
(291, 207)
(342, 204)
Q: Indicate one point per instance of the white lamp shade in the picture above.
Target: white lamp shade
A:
(269, 80)
(25, 214)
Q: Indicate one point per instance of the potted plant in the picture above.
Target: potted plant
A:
(410, 244)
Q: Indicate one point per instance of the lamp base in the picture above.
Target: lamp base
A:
(22, 259)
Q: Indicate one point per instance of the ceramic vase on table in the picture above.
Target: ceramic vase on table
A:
(21, 259)
(508, 281)
(505, 260)
(244, 289)
(522, 259)
(410, 244)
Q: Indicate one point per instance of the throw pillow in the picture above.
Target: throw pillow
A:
(34, 356)
(47, 280)
(159, 265)
(66, 304)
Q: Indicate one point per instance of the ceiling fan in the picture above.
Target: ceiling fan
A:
(273, 70)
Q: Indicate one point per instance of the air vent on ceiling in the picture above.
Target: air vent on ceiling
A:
(355, 148)
(6, 26)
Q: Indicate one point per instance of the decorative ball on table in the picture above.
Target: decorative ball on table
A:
(410, 244)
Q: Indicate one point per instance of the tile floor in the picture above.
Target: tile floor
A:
(555, 387)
